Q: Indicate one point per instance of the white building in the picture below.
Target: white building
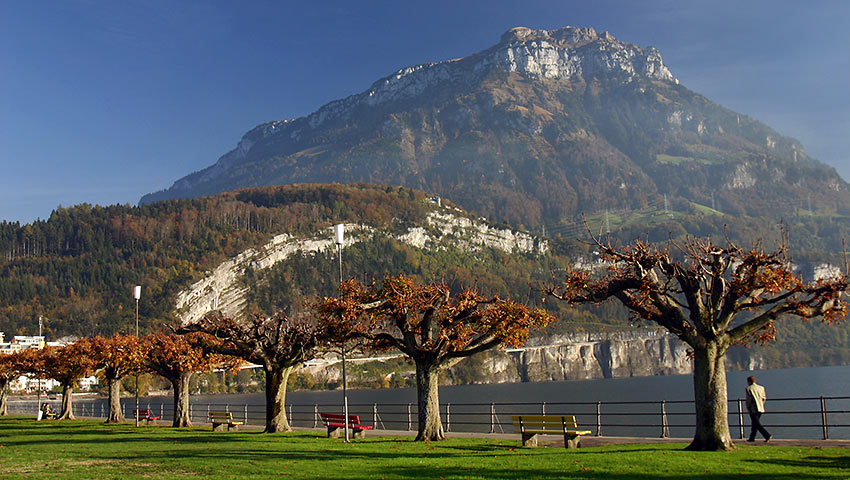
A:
(19, 343)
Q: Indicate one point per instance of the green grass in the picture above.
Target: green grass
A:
(91, 449)
(703, 209)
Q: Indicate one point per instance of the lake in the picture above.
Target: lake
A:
(626, 406)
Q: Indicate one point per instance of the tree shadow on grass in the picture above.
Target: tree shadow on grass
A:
(821, 462)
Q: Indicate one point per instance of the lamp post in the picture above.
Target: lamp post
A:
(338, 238)
(39, 377)
(137, 294)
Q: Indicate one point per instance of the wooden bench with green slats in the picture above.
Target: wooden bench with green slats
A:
(530, 426)
(221, 419)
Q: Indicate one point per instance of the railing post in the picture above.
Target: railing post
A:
(315, 415)
(246, 414)
(291, 421)
(598, 419)
(492, 418)
(665, 428)
(448, 417)
(409, 419)
(190, 412)
(227, 407)
(543, 408)
(823, 418)
(374, 415)
(741, 417)
(160, 409)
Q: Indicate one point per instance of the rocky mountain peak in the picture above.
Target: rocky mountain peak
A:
(575, 51)
(562, 37)
(564, 53)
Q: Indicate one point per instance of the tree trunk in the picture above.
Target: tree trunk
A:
(276, 378)
(427, 391)
(67, 397)
(712, 432)
(4, 394)
(115, 413)
(180, 384)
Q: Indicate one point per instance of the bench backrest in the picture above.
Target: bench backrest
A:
(555, 422)
(339, 418)
(221, 415)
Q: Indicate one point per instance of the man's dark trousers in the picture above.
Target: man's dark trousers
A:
(755, 419)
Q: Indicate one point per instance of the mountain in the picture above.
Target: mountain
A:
(540, 127)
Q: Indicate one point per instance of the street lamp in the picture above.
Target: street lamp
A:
(137, 294)
(39, 377)
(338, 238)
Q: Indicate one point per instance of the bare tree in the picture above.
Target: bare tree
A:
(117, 357)
(67, 365)
(711, 297)
(430, 326)
(278, 343)
(177, 357)
(10, 368)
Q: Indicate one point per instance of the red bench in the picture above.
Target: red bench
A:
(335, 422)
(145, 415)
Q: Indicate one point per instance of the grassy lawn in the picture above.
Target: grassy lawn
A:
(91, 449)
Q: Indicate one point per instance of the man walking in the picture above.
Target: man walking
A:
(755, 406)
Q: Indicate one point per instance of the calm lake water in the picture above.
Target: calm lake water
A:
(629, 406)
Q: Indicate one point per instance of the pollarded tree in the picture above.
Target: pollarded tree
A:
(10, 368)
(116, 357)
(30, 362)
(67, 365)
(434, 328)
(278, 343)
(711, 297)
(176, 358)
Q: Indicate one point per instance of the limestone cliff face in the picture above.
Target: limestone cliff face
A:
(584, 356)
(580, 356)
(223, 290)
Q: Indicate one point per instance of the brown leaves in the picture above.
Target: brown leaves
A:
(118, 356)
(699, 293)
(169, 355)
(68, 363)
(426, 320)
(279, 339)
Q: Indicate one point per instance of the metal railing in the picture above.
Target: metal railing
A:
(802, 417)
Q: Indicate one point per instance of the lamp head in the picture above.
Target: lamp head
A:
(338, 233)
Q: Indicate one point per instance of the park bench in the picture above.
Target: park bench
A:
(530, 426)
(145, 415)
(221, 419)
(335, 422)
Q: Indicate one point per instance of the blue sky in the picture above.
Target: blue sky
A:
(106, 101)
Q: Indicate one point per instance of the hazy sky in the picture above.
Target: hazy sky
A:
(105, 101)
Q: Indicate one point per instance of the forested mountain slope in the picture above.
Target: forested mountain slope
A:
(77, 268)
